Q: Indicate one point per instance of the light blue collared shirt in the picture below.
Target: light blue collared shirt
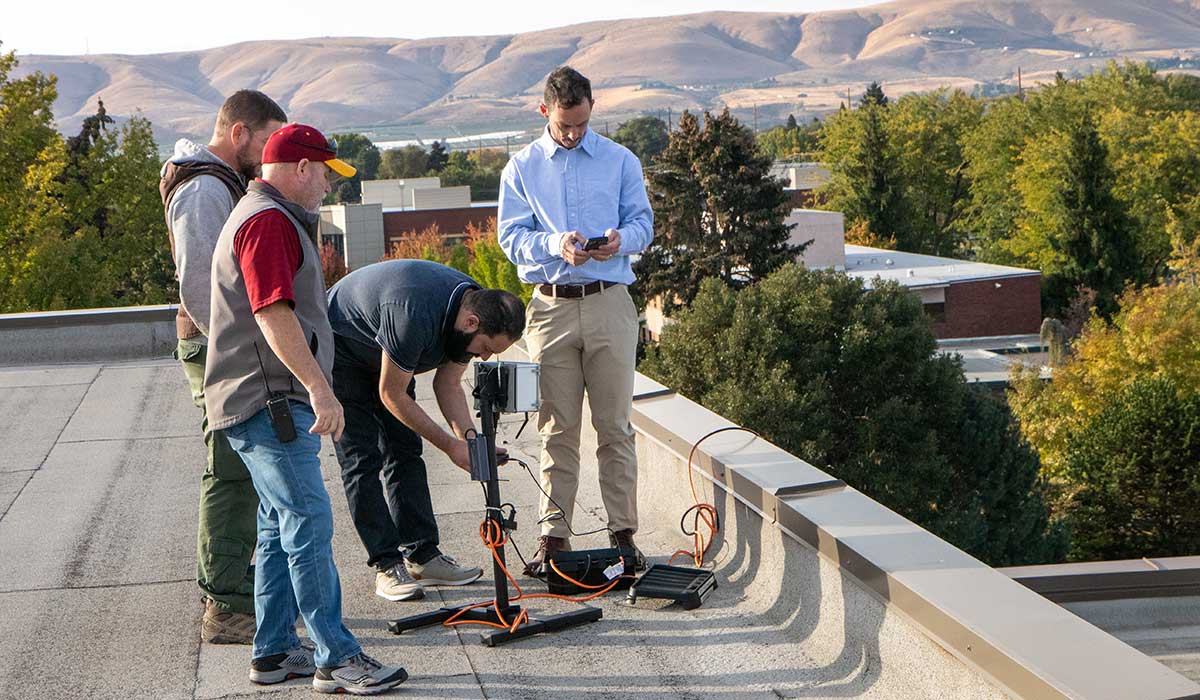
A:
(547, 190)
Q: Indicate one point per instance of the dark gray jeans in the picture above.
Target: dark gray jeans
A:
(394, 519)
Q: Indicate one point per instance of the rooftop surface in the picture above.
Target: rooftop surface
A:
(98, 490)
(824, 593)
(915, 271)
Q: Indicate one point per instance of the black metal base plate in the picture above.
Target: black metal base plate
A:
(531, 627)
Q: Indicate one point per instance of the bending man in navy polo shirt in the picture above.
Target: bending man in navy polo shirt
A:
(391, 321)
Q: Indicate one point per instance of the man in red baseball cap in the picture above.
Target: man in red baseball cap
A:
(268, 389)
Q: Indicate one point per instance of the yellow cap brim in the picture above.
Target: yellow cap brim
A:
(341, 167)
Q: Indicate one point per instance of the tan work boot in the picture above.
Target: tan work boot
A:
(224, 627)
(623, 541)
(548, 546)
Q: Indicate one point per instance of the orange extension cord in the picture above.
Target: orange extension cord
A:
(493, 538)
(705, 512)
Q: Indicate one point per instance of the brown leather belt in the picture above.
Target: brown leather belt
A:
(574, 291)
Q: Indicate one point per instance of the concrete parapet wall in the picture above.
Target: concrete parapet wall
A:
(87, 335)
(884, 604)
(859, 646)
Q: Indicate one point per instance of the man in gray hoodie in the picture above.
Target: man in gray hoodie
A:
(200, 186)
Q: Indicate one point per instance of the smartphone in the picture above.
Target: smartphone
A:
(595, 242)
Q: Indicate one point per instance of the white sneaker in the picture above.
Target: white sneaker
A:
(396, 584)
(277, 668)
(443, 571)
(358, 675)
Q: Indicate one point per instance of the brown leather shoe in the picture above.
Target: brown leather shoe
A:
(623, 541)
(224, 627)
(548, 546)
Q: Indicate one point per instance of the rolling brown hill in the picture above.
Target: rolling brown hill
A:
(774, 63)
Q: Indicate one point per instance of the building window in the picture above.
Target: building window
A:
(936, 312)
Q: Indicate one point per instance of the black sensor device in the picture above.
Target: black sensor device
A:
(281, 417)
(595, 242)
(589, 566)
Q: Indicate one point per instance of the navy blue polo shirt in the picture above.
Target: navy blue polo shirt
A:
(406, 308)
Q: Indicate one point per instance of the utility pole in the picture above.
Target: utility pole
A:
(756, 117)
(669, 127)
(1020, 86)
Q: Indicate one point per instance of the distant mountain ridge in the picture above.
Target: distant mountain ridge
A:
(776, 63)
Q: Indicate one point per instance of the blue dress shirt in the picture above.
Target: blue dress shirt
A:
(547, 190)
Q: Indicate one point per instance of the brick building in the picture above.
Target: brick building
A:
(965, 299)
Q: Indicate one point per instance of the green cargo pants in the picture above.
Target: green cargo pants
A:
(228, 506)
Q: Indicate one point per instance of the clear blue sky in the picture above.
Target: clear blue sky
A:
(145, 26)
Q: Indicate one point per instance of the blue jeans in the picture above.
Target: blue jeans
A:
(294, 572)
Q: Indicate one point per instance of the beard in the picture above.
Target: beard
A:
(246, 165)
(456, 346)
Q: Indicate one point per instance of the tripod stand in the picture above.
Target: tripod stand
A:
(492, 400)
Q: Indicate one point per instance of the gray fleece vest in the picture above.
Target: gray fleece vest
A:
(234, 389)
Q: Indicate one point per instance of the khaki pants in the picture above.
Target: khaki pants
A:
(588, 343)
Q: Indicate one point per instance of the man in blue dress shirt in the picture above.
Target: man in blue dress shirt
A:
(569, 186)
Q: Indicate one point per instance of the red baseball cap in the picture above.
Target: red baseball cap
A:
(295, 142)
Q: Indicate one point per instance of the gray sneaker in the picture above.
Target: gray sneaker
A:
(358, 675)
(444, 571)
(396, 584)
(277, 668)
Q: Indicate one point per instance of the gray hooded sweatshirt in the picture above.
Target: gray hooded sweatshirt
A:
(197, 214)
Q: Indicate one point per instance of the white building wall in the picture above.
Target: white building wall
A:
(441, 198)
(826, 230)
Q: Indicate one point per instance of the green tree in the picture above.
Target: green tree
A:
(849, 380)
(26, 136)
(718, 212)
(867, 177)
(437, 157)
(994, 151)
(1073, 228)
(1134, 472)
(359, 151)
(646, 136)
(926, 133)
(95, 233)
(874, 95)
(480, 169)
(491, 268)
(1153, 335)
(791, 141)
(401, 163)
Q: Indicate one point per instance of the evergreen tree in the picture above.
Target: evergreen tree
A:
(718, 212)
(874, 95)
(437, 158)
(1067, 189)
(791, 124)
(866, 174)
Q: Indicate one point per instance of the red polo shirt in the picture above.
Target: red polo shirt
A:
(268, 252)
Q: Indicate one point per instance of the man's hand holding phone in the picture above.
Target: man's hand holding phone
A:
(569, 248)
(606, 246)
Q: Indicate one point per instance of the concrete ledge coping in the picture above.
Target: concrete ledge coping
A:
(89, 317)
(1110, 580)
(1023, 642)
